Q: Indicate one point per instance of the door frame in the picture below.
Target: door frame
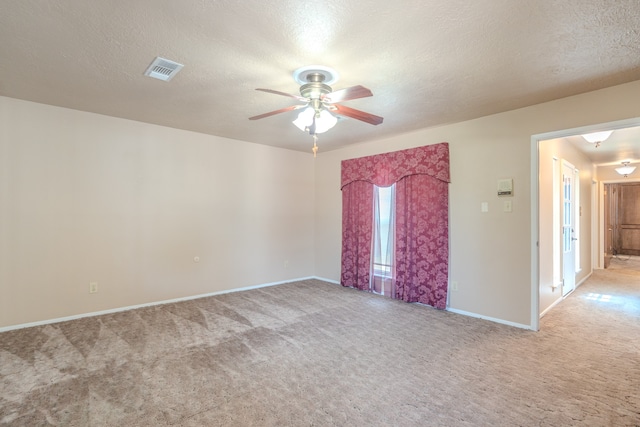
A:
(601, 225)
(535, 200)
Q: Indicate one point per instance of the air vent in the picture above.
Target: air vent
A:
(163, 69)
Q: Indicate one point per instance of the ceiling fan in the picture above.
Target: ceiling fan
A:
(320, 101)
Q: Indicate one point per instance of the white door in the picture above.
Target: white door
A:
(568, 229)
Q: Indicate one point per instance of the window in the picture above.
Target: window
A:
(395, 237)
(383, 227)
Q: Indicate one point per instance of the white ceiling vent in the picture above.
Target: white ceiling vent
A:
(163, 69)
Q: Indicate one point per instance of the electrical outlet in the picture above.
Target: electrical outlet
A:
(93, 287)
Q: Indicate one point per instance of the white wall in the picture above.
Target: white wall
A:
(490, 252)
(85, 198)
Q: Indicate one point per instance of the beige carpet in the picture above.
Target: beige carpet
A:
(625, 262)
(315, 354)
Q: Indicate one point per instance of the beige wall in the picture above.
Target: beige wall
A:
(562, 150)
(88, 198)
(85, 197)
(490, 252)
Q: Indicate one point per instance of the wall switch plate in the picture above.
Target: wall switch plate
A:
(93, 287)
(454, 286)
(484, 207)
(507, 206)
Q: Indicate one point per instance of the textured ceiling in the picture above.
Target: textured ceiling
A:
(428, 62)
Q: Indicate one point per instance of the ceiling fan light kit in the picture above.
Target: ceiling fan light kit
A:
(324, 121)
(321, 101)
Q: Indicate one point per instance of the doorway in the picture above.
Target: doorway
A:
(622, 219)
(546, 261)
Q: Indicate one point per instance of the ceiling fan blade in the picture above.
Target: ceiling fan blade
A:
(353, 92)
(273, 113)
(277, 92)
(358, 115)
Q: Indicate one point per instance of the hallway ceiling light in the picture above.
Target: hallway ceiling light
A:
(597, 137)
(625, 170)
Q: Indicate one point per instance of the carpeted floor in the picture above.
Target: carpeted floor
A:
(625, 262)
(316, 354)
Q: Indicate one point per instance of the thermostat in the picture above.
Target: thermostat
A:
(505, 187)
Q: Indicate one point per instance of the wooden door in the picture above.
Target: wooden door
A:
(629, 219)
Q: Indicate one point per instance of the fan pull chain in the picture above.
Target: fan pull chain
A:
(315, 147)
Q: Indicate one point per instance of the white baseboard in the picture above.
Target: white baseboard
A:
(335, 282)
(548, 309)
(584, 279)
(150, 304)
(453, 310)
(559, 300)
(192, 297)
(492, 319)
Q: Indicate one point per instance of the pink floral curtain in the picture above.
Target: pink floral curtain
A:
(385, 169)
(357, 231)
(422, 210)
(422, 240)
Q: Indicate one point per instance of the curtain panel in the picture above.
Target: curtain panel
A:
(357, 233)
(421, 255)
(422, 241)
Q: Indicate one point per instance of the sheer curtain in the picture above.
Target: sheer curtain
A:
(420, 240)
(383, 240)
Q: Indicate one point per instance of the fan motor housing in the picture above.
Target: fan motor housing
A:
(315, 88)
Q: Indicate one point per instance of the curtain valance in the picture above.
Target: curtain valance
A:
(385, 169)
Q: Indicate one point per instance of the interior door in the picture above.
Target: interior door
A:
(629, 219)
(568, 229)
